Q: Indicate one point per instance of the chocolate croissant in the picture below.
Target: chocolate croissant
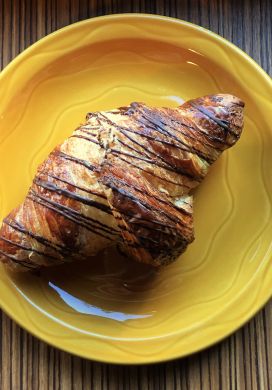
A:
(123, 178)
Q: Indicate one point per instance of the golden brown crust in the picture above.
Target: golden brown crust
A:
(125, 177)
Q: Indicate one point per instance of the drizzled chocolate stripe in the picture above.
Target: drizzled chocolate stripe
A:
(93, 222)
(195, 128)
(86, 138)
(97, 135)
(210, 137)
(159, 126)
(27, 248)
(152, 228)
(181, 126)
(138, 221)
(222, 123)
(144, 170)
(157, 156)
(123, 131)
(42, 240)
(145, 152)
(167, 202)
(72, 195)
(76, 160)
(160, 141)
(85, 130)
(185, 146)
(167, 166)
(153, 174)
(147, 160)
(125, 193)
(154, 248)
(25, 262)
(132, 148)
(75, 186)
(91, 115)
(89, 128)
(62, 210)
(118, 217)
(157, 139)
(141, 237)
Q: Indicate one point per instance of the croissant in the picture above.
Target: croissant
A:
(123, 178)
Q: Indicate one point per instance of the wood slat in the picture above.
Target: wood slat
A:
(244, 360)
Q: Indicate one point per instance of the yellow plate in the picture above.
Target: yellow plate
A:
(107, 311)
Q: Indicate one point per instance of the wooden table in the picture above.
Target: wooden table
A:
(244, 360)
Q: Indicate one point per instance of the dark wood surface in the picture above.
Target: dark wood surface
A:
(242, 361)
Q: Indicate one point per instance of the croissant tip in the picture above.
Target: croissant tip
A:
(226, 99)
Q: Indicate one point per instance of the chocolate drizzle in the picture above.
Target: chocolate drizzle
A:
(148, 121)
(153, 174)
(152, 162)
(42, 240)
(84, 163)
(100, 195)
(27, 248)
(208, 142)
(70, 214)
(166, 165)
(220, 122)
(143, 204)
(72, 195)
(153, 195)
(22, 262)
(86, 138)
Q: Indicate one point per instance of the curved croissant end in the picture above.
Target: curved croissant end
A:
(124, 177)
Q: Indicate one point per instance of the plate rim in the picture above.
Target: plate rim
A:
(261, 301)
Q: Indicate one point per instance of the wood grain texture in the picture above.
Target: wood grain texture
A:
(244, 360)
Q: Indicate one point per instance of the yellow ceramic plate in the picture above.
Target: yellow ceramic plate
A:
(128, 314)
